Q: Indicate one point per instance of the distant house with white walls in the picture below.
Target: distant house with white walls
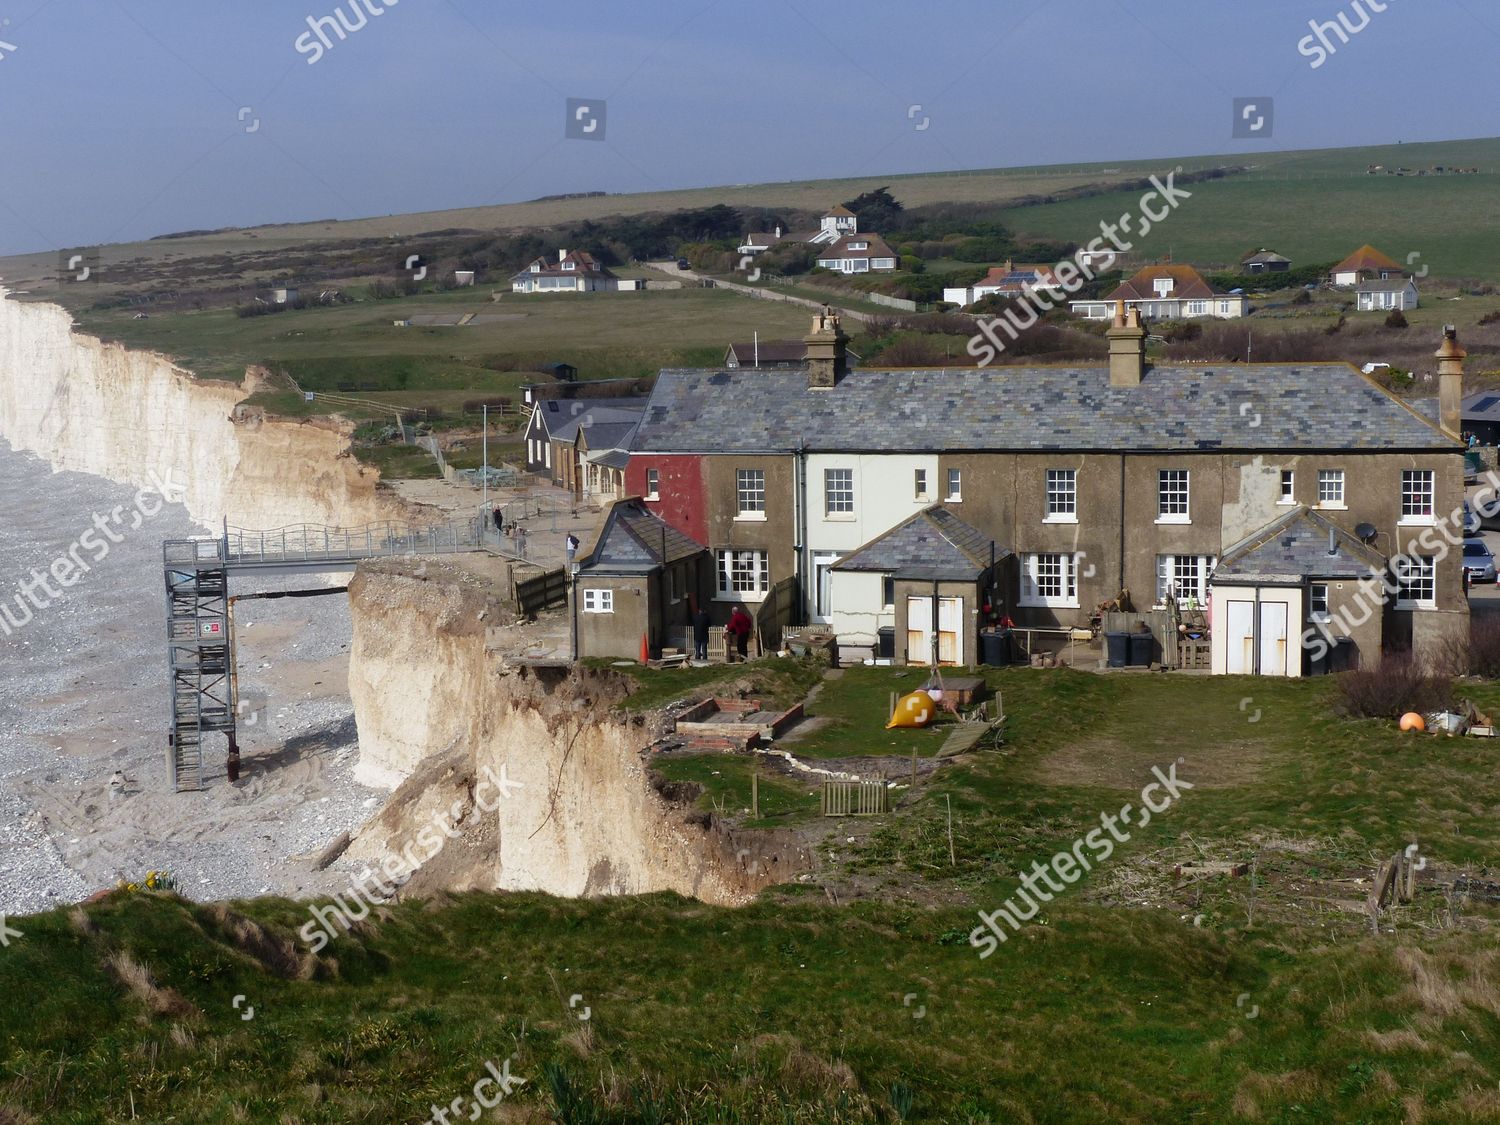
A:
(1366, 264)
(1009, 280)
(1167, 291)
(758, 242)
(1398, 293)
(837, 223)
(574, 271)
(858, 253)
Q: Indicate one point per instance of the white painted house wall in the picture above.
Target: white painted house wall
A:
(858, 612)
(884, 496)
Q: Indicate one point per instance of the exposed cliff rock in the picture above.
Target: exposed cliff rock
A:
(581, 815)
(99, 408)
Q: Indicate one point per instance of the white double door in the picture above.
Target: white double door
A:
(950, 626)
(1257, 626)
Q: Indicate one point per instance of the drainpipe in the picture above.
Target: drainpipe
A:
(1122, 524)
(799, 505)
(573, 611)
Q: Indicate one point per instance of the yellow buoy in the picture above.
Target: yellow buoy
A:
(914, 710)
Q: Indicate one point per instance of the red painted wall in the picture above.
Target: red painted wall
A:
(682, 487)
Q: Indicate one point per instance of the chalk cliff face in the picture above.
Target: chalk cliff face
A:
(581, 814)
(134, 417)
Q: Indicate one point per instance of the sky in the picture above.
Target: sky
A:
(124, 119)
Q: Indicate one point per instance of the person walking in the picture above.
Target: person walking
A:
(571, 544)
(499, 520)
(737, 632)
(701, 625)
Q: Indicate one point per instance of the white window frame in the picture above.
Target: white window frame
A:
(1418, 492)
(1162, 286)
(1421, 577)
(1330, 483)
(598, 601)
(955, 479)
(1167, 493)
(749, 567)
(1051, 569)
(840, 493)
(919, 484)
(1061, 496)
(744, 491)
(1288, 487)
(1198, 308)
(1188, 575)
(653, 484)
(1314, 599)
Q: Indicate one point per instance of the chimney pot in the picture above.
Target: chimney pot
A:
(1127, 347)
(1450, 357)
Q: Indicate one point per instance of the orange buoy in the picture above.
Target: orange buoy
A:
(1412, 721)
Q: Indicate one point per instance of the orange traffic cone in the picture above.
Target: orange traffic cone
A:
(645, 650)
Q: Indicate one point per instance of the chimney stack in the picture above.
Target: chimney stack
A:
(1450, 359)
(827, 351)
(1127, 348)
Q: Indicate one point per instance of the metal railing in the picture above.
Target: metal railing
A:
(312, 543)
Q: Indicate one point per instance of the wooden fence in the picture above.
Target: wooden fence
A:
(535, 594)
(854, 798)
(777, 611)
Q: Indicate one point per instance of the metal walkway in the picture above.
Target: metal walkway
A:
(200, 627)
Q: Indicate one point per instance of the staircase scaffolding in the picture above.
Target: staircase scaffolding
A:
(200, 656)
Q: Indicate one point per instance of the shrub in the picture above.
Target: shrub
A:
(1472, 652)
(1303, 297)
(1389, 689)
(1490, 317)
(1397, 319)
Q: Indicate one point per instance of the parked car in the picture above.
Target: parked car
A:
(1471, 520)
(683, 264)
(1479, 562)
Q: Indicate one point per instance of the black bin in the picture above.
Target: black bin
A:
(1119, 649)
(994, 648)
(886, 642)
(1341, 655)
(1142, 649)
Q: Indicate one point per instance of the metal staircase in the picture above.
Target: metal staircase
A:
(200, 655)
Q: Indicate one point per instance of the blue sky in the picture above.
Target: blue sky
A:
(121, 119)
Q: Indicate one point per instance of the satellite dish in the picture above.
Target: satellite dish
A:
(1365, 531)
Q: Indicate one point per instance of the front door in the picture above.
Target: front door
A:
(919, 630)
(1273, 638)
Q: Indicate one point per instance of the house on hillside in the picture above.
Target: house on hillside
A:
(1365, 264)
(857, 253)
(1167, 291)
(638, 579)
(550, 415)
(758, 242)
(1092, 478)
(772, 354)
(573, 272)
(1265, 261)
(1009, 280)
(1384, 296)
(836, 224)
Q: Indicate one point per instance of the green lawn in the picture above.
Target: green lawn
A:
(1132, 996)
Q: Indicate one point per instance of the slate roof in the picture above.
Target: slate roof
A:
(1482, 405)
(596, 420)
(1318, 407)
(584, 264)
(1295, 548)
(603, 434)
(934, 545)
(555, 412)
(1265, 257)
(630, 542)
(1389, 285)
(783, 352)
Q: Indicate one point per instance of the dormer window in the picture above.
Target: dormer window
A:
(569, 265)
(859, 245)
(536, 267)
(1162, 286)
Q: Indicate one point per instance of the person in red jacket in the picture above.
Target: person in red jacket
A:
(737, 633)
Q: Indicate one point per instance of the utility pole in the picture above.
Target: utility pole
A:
(484, 443)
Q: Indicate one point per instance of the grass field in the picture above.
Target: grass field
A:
(603, 334)
(1132, 997)
(1317, 207)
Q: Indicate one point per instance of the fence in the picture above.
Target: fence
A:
(777, 611)
(854, 798)
(891, 302)
(532, 595)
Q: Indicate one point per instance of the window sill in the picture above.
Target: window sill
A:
(1175, 521)
(1331, 507)
(953, 499)
(599, 612)
(838, 517)
(1416, 521)
(750, 517)
(1416, 605)
(1286, 503)
(652, 496)
(746, 598)
(1060, 519)
(1046, 604)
